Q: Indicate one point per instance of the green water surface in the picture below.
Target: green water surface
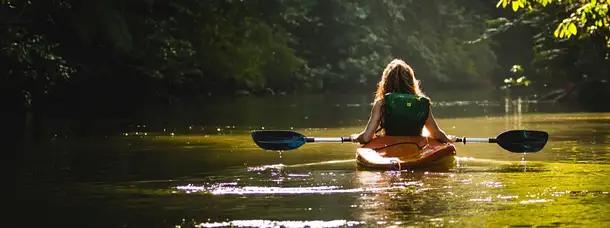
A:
(198, 167)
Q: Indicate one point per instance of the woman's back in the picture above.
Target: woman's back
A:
(404, 114)
(401, 108)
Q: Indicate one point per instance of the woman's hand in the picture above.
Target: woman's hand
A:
(356, 137)
(447, 138)
(453, 138)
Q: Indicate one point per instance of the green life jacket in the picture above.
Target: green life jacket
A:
(404, 114)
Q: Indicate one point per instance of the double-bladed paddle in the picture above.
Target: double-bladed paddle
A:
(518, 141)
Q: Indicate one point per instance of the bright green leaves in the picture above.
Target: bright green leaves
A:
(517, 70)
(572, 29)
(589, 14)
(565, 30)
(518, 4)
(519, 81)
(545, 2)
(515, 4)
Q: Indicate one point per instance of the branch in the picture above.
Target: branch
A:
(528, 18)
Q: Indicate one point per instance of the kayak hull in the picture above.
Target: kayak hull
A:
(406, 152)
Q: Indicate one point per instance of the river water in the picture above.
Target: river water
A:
(197, 166)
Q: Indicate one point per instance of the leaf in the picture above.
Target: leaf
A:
(572, 28)
(556, 33)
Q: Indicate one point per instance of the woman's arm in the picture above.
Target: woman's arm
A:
(435, 130)
(374, 120)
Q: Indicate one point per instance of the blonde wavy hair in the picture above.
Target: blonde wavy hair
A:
(398, 77)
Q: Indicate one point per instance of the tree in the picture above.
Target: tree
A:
(569, 39)
(588, 16)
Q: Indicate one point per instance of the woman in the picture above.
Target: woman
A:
(400, 108)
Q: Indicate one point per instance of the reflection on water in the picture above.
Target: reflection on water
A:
(268, 223)
(414, 198)
(210, 174)
(233, 190)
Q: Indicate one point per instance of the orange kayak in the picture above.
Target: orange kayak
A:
(405, 152)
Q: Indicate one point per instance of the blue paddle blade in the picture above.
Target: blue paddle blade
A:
(278, 140)
(523, 141)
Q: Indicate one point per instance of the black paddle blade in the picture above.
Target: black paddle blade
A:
(278, 140)
(523, 141)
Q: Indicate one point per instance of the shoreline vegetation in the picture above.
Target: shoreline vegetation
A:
(107, 59)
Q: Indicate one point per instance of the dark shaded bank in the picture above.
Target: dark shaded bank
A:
(113, 108)
(591, 96)
(12, 136)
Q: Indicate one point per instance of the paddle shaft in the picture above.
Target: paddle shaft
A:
(476, 140)
(336, 139)
(348, 139)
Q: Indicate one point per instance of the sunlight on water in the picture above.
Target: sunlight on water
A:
(535, 201)
(542, 189)
(468, 103)
(282, 166)
(215, 176)
(278, 190)
(268, 223)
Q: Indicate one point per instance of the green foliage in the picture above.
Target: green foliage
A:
(559, 40)
(31, 62)
(521, 80)
(146, 48)
(588, 15)
(431, 36)
(516, 69)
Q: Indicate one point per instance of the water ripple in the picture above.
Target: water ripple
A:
(269, 223)
(232, 190)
